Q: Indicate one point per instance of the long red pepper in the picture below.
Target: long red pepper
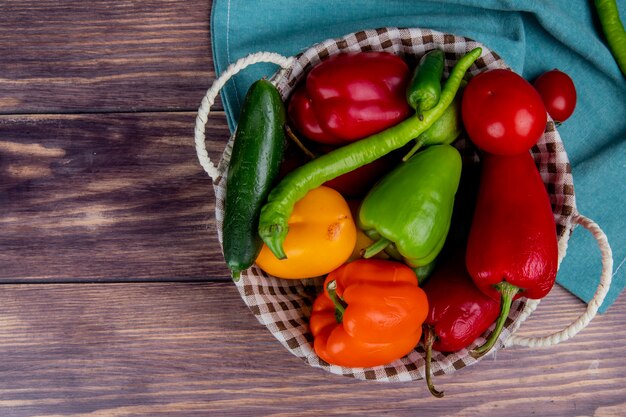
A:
(458, 311)
(512, 248)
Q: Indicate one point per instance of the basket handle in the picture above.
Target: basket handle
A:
(592, 308)
(211, 94)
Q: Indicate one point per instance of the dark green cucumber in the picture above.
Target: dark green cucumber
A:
(254, 165)
(424, 88)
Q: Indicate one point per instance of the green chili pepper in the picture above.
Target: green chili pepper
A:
(613, 29)
(424, 89)
(411, 206)
(443, 132)
(273, 226)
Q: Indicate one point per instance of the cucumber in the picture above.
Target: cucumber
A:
(254, 165)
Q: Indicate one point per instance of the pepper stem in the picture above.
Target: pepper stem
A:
(299, 143)
(507, 293)
(376, 247)
(429, 339)
(392, 251)
(340, 305)
(415, 148)
(418, 112)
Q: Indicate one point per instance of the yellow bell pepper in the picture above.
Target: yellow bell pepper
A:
(321, 237)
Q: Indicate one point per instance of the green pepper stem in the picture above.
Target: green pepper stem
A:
(340, 305)
(376, 247)
(429, 339)
(507, 293)
(418, 112)
(418, 145)
(393, 252)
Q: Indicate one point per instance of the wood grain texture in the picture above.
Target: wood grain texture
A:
(62, 56)
(195, 350)
(99, 182)
(107, 197)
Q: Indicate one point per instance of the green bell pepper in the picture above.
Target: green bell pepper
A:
(411, 207)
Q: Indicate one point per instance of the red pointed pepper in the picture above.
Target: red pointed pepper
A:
(458, 311)
(512, 248)
(350, 96)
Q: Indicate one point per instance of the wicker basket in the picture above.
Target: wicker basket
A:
(284, 306)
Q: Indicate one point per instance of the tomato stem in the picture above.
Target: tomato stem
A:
(507, 293)
(429, 339)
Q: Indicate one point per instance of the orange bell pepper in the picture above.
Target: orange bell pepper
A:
(370, 313)
(321, 237)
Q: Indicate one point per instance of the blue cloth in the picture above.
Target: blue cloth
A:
(531, 36)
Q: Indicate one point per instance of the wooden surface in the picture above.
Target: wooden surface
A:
(115, 300)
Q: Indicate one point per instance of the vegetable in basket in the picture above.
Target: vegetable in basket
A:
(353, 184)
(411, 206)
(512, 248)
(273, 226)
(349, 96)
(424, 89)
(321, 237)
(444, 131)
(458, 311)
(370, 313)
(502, 112)
(254, 166)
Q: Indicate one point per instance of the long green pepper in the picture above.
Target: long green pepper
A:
(613, 29)
(273, 226)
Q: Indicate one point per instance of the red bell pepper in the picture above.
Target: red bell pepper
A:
(458, 311)
(350, 96)
(512, 249)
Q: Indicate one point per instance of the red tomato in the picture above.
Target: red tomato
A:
(502, 113)
(558, 93)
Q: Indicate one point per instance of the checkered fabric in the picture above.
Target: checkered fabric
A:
(284, 306)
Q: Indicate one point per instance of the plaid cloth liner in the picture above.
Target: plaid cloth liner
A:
(284, 306)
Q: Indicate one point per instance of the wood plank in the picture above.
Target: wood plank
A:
(193, 349)
(107, 197)
(105, 55)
